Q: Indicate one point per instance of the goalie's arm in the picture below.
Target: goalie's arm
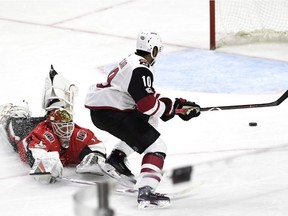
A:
(92, 156)
(47, 166)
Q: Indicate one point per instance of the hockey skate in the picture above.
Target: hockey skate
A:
(148, 199)
(91, 164)
(115, 167)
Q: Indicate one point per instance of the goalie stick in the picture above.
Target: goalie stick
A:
(177, 175)
(186, 191)
(77, 181)
(243, 106)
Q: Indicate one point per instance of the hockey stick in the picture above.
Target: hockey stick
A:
(179, 194)
(177, 175)
(243, 106)
(77, 181)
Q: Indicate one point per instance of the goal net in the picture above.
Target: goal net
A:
(246, 21)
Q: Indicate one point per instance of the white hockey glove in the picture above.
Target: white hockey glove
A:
(91, 163)
(46, 168)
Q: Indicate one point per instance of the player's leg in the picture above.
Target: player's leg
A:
(151, 175)
(135, 130)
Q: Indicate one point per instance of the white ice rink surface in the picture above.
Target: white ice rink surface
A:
(248, 169)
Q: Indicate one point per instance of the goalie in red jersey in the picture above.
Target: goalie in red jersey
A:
(50, 142)
(58, 142)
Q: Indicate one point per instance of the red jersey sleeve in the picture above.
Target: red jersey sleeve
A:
(41, 137)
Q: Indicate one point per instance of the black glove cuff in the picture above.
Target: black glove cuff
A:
(169, 112)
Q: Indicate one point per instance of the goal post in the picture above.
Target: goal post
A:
(212, 25)
(235, 22)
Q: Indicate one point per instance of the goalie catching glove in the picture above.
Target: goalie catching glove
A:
(187, 109)
(91, 163)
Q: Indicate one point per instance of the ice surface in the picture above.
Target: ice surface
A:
(240, 170)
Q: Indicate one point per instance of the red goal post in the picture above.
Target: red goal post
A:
(246, 21)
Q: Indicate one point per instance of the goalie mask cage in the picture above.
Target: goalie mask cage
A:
(234, 22)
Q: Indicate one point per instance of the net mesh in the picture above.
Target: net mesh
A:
(246, 21)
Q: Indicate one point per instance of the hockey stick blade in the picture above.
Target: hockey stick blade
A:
(78, 181)
(243, 106)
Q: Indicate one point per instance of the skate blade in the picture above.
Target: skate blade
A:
(149, 205)
(121, 179)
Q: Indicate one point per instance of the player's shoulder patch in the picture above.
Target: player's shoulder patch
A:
(81, 135)
(123, 63)
(49, 136)
(144, 62)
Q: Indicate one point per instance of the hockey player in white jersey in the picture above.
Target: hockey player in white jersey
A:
(128, 107)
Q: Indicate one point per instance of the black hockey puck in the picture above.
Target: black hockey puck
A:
(252, 124)
(182, 174)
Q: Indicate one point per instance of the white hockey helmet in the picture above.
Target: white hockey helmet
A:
(147, 40)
